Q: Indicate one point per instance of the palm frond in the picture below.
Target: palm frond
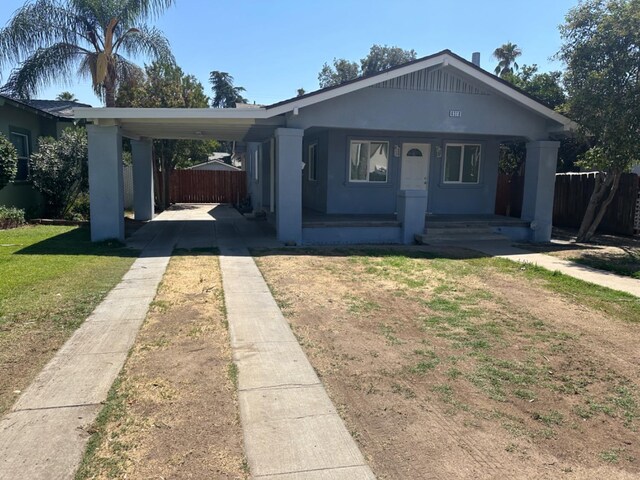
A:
(134, 11)
(44, 66)
(34, 26)
(87, 70)
(126, 71)
(146, 41)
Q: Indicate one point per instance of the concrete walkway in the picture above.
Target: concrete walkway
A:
(582, 272)
(291, 428)
(45, 433)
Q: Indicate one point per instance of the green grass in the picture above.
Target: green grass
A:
(52, 273)
(52, 277)
(627, 264)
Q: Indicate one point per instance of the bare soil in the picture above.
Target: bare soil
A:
(173, 413)
(447, 367)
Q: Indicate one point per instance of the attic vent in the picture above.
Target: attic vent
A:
(435, 81)
(414, 152)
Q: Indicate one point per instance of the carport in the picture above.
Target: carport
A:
(251, 126)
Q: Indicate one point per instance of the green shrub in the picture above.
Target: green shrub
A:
(79, 210)
(10, 217)
(8, 161)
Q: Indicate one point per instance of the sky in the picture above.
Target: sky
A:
(274, 47)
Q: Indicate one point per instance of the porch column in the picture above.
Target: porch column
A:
(412, 205)
(539, 185)
(106, 186)
(254, 176)
(289, 184)
(141, 153)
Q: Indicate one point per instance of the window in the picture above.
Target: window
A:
(312, 163)
(368, 161)
(462, 164)
(21, 142)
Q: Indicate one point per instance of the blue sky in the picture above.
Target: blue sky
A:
(274, 47)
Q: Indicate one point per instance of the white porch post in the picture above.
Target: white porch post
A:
(106, 186)
(141, 153)
(289, 184)
(539, 186)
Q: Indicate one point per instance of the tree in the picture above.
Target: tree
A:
(56, 40)
(300, 92)
(226, 95)
(380, 57)
(8, 161)
(506, 56)
(165, 85)
(601, 51)
(383, 57)
(66, 97)
(546, 87)
(59, 169)
(342, 71)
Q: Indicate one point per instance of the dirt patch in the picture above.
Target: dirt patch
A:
(173, 412)
(462, 369)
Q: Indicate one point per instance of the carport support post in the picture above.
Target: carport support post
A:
(289, 184)
(539, 186)
(106, 185)
(141, 153)
(412, 205)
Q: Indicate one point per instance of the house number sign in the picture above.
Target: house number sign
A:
(455, 113)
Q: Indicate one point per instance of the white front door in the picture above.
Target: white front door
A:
(414, 170)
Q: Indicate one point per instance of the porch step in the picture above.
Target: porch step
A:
(456, 234)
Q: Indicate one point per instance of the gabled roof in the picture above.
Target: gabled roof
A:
(446, 58)
(61, 109)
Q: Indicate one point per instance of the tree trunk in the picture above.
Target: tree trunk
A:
(109, 95)
(602, 196)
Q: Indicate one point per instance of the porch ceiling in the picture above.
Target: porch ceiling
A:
(186, 124)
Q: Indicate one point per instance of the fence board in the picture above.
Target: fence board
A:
(572, 194)
(207, 186)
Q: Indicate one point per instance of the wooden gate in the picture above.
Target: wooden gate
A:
(207, 186)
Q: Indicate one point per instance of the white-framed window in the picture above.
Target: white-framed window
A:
(312, 162)
(256, 165)
(461, 163)
(21, 142)
(368, 161)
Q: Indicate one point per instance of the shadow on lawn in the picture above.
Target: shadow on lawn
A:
(78, 242)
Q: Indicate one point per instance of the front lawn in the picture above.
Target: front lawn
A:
(445, 362)
(51, 278)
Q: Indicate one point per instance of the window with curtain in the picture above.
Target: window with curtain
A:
(462, 163)
(368, 161)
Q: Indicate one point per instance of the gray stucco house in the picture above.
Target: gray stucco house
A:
(364, 161)
(23, 122)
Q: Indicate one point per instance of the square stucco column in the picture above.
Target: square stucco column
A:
(106, 186)
(289, 184)
(539, 185)
(253, 159)
(411, 213)
(141, 153)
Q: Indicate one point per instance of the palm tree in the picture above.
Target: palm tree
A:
(225, 94)
(506, 56)
(59, 39)
(67, 97)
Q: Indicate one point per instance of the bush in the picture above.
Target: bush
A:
(59, 170)
(79, 210)
(8, 161)
(10, 217)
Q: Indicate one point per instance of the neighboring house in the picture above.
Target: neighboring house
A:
(23, 122)
(215, 162)
(363, 161)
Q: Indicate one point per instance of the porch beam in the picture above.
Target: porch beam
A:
(142, 155)
(289, 184)
(106, 185)
(539, 186)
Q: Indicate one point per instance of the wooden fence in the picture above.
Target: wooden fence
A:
(509, 195)
(572, 195)
(207, 186)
